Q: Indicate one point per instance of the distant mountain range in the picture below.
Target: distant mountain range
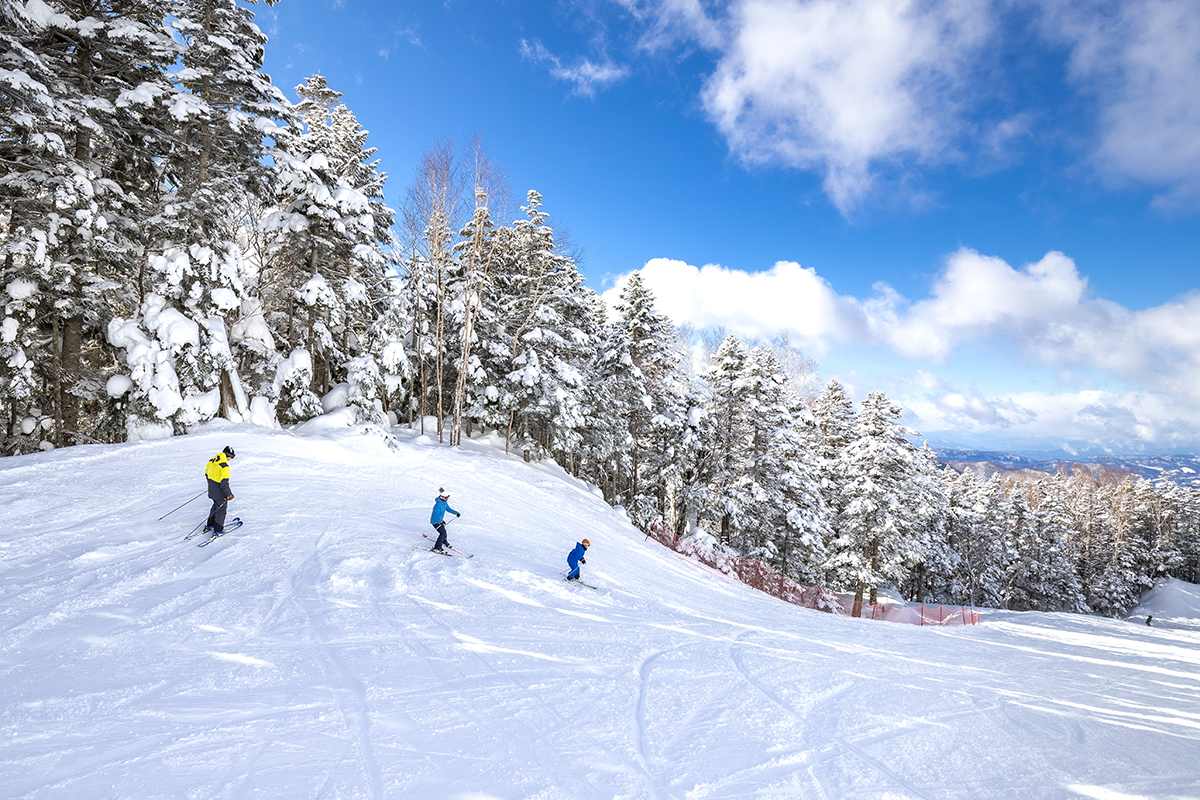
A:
(1182, 469)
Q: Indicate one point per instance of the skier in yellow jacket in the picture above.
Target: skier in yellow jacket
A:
(217, 473)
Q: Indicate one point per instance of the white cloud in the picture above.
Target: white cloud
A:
(980, 296)
(857, 89)
(586, 76)
(844, 86)
(787, 298)
(1140, 369)
(672, 21)
(1140, 59)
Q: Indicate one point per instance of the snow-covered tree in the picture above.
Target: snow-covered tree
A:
(790, 472)
(331, 247)
(833, 414)
(1040, 570)
(648, 402)
(78, 147)
(221, 106)
(728, 408)
(875, 522)
(550, 311)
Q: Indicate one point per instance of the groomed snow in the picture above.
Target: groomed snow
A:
(314, 653)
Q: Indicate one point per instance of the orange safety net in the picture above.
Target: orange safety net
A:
(757, 574)
(750, 572)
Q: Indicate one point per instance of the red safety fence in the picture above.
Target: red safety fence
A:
(757, 574)
(916, 615)
(750, 572)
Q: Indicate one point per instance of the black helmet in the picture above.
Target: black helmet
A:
(228, 451)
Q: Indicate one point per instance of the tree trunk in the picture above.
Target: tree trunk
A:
(874, 570)
(229, 404)
(71, 358)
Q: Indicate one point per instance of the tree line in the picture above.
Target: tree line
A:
(182, 242)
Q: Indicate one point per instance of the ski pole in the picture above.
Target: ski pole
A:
(176, 508)
(197, 528)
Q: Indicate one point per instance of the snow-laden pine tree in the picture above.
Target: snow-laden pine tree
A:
(550, 313)
(330, 251)
(729, 409)
(697, 462)
(788, 522)
(1165, 508)
(477, 316)
(975, 537)
(79, 143)
(762, 507)
(929, 558)
(1040, 569)
(178, 346)
(616, 387)
(25, 101)
(386, 341)
(1187, 534)
(1126, 546)
(834, 416)
(1088, 520)
(650, 407)
(874, 531)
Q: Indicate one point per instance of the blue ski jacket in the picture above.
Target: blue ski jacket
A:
(440, 507)
(576, 555)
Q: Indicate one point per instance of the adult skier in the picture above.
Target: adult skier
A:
(217, 473)
(575, 558)
(438, 520)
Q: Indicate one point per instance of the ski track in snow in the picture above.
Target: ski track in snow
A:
(314, 654)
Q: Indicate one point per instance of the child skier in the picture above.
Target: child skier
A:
(437, 520)
(575, 558)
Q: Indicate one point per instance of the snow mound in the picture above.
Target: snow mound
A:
(1170, 599)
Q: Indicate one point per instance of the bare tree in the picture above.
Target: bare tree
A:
(432, 213)
(490, 185)
(799, 370)
(710, 340)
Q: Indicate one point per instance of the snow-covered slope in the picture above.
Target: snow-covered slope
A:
(314, 653)
(1172, 603)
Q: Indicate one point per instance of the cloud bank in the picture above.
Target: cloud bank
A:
(856, 89)
(1135, 373)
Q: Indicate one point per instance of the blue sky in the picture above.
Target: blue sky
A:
(988, 210)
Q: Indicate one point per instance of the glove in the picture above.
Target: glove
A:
(229, 498)
(458, 515)
(583, 561)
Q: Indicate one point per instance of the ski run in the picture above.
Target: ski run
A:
(317, 654)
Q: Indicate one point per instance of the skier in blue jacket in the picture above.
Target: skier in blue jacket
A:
(440, 507)
(575, 558)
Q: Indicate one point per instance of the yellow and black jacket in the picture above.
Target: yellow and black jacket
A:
(217, 472)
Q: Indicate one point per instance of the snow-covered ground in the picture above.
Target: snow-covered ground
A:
(314, 653)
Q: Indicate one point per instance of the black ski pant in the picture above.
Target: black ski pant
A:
(441, 540)
(216, 516)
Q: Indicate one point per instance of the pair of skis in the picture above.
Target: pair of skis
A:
(442, 552)
(232, 525)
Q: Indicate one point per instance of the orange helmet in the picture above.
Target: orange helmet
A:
(586, 543)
